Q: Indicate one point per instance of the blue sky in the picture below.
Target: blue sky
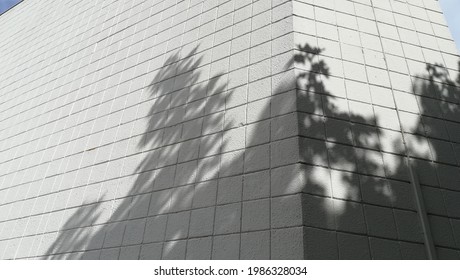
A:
(451, 9)
(6, 4)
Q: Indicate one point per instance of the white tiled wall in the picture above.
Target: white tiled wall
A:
(142, 129)
(363, 78)
(214, 129)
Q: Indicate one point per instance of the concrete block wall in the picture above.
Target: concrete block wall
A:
(226, 129)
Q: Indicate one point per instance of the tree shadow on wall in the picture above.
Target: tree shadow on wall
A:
(356, 196)
(436, 132)
(171, 172)
(373, 213)
(345, 171)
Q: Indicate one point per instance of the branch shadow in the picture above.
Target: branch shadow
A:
(345, 172)
(175, 164)
(358, 195)
(356, 192)
(437, 131)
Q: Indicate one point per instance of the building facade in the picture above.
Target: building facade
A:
(229, 129)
